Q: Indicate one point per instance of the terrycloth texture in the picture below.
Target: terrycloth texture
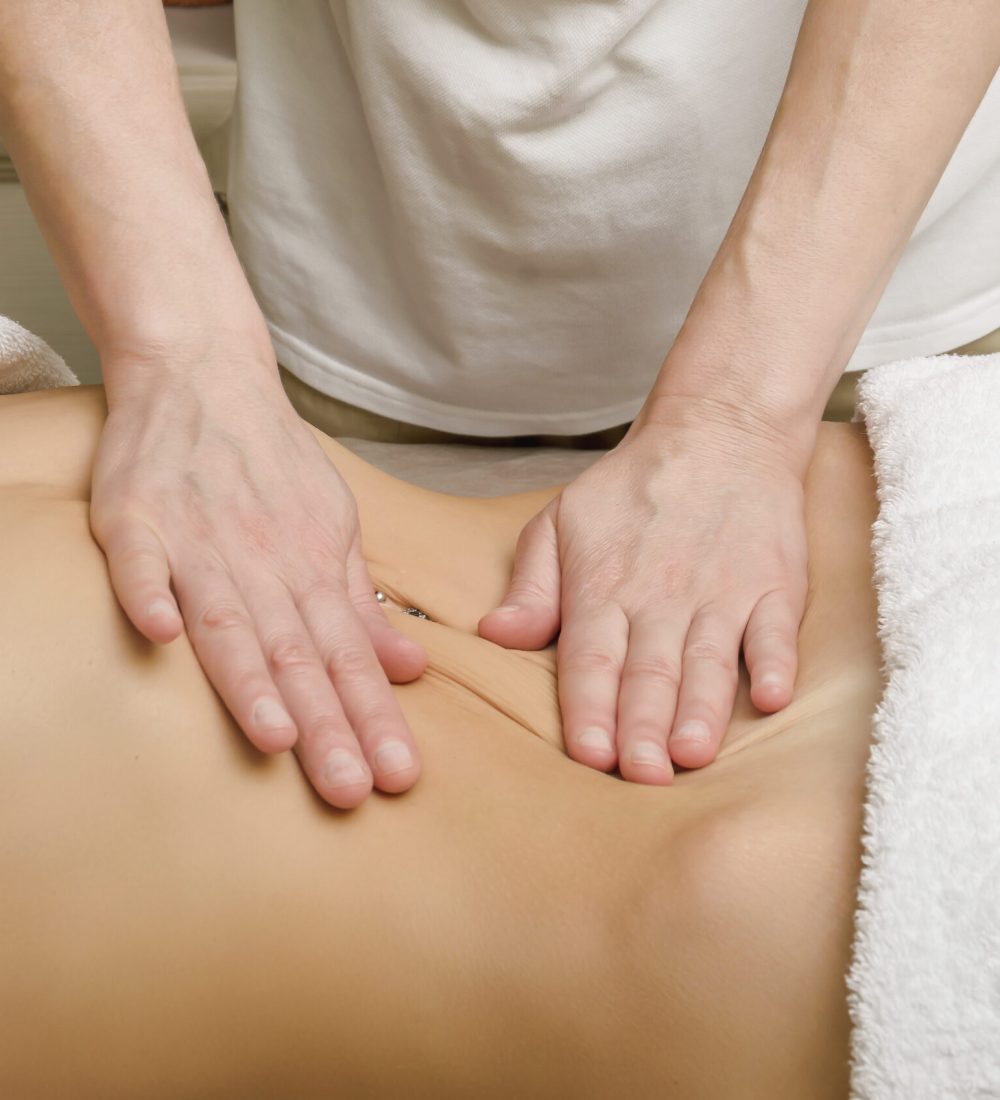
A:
(28, 363)
(925, 979)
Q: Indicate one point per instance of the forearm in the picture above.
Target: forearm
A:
(878, 95)
(91, 112)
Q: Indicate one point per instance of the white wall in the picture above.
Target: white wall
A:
(30, 290)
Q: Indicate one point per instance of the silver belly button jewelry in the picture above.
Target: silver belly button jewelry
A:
(414, 611)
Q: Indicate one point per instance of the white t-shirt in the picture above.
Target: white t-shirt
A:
(491, 216)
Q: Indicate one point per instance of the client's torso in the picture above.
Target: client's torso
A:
(141, 827)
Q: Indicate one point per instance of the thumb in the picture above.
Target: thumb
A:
(140, 576)
(528, 618)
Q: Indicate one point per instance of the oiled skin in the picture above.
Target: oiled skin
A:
(180, 917)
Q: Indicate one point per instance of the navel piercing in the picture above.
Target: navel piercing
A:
(414, 611)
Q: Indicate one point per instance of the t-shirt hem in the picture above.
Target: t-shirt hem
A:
(931, 336)
(332, 377)
(328, 375)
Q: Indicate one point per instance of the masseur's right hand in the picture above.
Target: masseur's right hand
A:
(214, 502)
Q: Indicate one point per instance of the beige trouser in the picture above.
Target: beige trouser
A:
(338, 418)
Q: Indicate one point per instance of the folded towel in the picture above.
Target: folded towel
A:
(28, 363)
(924, 983)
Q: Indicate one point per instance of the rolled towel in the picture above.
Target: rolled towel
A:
(925, 978)
(28, 363)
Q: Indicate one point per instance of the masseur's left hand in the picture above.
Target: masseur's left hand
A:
(682, 543)
(688, 537)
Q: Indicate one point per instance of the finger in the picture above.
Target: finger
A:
(228, 649)
(770, 647)
(401, 658)
(528, 618)
(140, 577)
(709, 676)
(648, 698)
(361, 685)
(589, 657)
(327, 747)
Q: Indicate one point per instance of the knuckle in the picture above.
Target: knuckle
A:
(590, 660)
(112, 526)
(246, 683)
(675, 580)
(220, 616)
(321, 588)
(645, 728)
(136, 553)
(657, 668)
(349, 661)
(324, 727)
(710, 651)
(768, 635)
(326, 540)
(374, 713)
(289, 653)
(597, 579)
(256, 533)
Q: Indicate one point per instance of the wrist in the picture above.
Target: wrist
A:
(157, 289)
(190, 353)
(719, 423)
(752, 356)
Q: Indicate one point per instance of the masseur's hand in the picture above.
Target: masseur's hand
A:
(214, 501)
(682, 543)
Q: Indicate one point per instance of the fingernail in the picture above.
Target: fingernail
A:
(269, 714)
(695, 732)
(771, 682)
(506, 609)
(344, 770)
(392, 757)
(649, 754)
(593, 737)
(160, 608)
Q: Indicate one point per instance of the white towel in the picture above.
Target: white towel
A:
(28, 363)
(924, 983)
